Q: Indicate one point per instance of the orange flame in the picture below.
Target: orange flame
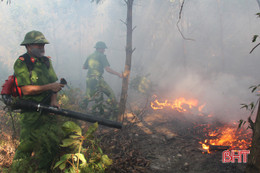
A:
(228, 135)
(177, 104)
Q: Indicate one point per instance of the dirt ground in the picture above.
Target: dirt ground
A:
(155, 142)
(168, 142)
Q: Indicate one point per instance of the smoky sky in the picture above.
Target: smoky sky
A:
(215, 68)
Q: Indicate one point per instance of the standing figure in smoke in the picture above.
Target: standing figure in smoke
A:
(40, 134)
(95, 64)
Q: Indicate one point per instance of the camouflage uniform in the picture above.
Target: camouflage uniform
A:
(95, 64)
(40, 135)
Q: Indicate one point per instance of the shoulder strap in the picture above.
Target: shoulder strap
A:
(46, 61)
(28, 61)
(29, 64)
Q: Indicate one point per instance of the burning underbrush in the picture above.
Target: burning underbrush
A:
(213, 134)
(166, 136)
(226, 136)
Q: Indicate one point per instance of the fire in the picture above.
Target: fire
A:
(205, 147)
(176, 104)
(228, 135)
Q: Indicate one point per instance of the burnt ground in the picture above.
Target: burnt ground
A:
(153, 142)
(165, 142)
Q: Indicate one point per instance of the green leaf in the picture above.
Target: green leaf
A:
(71, 127)
(74, 136)
(81, 157)
(254, 38)
(252, 104)
(244, 106)
(69, 142)
(100, 150)
(258, 14)
(253, 90)
(106, 160)
(62, 166)
(100, 166)
(58, 163)
(64, 158)
(241, 122)
(72, 170)
(91, 130)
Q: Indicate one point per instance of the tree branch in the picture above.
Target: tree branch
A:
(254, 48)
(133, 29)
(179, 22)
(123, 22)
(133, 50)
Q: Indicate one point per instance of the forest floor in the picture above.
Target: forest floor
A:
(155, 142)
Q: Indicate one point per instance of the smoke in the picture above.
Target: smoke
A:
(216, 68)
(222, 94)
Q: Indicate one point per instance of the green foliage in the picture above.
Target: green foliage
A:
(251, 107)
(254, 87)
(70, 98)
(85, 160)
(141, 84)
(241, 123)
(254, 38)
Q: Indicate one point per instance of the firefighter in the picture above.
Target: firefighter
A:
(40, 134)
(96, 63)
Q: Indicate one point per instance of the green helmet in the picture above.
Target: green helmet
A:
(34, 37)
(100, 45)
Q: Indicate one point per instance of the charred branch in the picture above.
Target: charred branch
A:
(218, 147)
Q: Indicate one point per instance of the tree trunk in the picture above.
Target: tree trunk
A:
(258, 1)
(129, 51)
(253, 165)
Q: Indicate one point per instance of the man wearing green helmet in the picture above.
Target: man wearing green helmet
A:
(95, 64)
(39, 135)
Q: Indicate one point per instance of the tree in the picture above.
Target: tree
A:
(253, 165)
(129, 52)
(128, 61)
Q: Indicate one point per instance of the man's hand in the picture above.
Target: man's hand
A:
(56, 87)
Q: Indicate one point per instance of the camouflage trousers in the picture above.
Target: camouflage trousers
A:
(40, 137)
(95, 84)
